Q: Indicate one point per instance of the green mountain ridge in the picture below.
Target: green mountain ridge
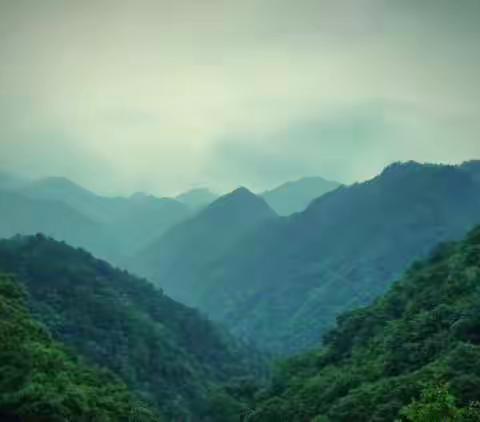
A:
(167, 353)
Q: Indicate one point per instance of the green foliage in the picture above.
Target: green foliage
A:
(380, 358)
(438, 404)
(41, 382)
(166, 352)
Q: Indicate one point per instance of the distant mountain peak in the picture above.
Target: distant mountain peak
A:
(241, 197)
(402, 166)
(241, 191)
(141, 197)
(58, 185)
(295, 196)
(197, 198)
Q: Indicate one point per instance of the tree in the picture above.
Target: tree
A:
(437, 404)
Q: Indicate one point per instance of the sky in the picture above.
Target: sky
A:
(163, 96)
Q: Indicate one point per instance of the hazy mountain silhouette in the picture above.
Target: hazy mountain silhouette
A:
(117, 226)
(295, 196)
(22, 215)
(179, 256)
(9, 181)
(198, 198)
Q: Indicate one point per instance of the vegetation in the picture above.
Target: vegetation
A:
(412, 355)
(41, 382)
(438, 404)
(166, 352)
(390, 360)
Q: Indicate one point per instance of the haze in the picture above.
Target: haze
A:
(160, 96)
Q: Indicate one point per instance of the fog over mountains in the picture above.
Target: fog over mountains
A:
(239, 211)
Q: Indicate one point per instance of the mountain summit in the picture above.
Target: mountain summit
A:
(176, 260)
(196, 199)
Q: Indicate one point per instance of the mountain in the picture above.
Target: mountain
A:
(41, 381)
(167, 353)
(473, 167)
(143, 219)
(420, 336)
(283, 284)
(196, 199)
(22, 215)
(177, 258)
(10, 181)
(63, 190)
(126, 224)
(292, 197)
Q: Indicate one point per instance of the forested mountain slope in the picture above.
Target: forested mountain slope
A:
(292, 197)
(424, 331)
(285, 283)
(41, 382)
(178, 258)
(166, 352)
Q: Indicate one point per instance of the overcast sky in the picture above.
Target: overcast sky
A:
(161, 96)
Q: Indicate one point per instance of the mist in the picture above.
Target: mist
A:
(159, 96)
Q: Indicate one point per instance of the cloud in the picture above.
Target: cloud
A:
(161, 95)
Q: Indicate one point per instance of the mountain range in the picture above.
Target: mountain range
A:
(283, 281)
(381, 327)
(110, 227)
(113, 228)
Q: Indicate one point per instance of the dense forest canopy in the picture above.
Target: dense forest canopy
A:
(169, 354)
(40, 381)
